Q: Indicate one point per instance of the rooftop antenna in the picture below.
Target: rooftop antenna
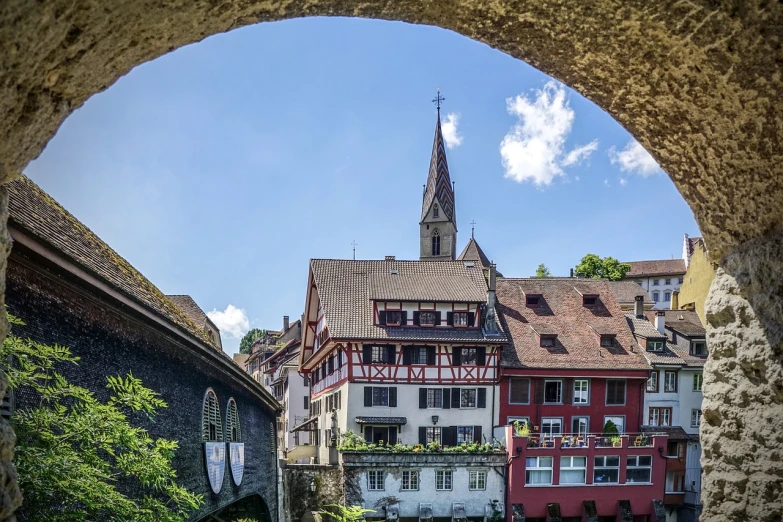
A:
(354, 244)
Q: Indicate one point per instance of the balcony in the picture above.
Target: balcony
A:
(569, 441)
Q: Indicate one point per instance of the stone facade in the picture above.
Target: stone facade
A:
(298, 495)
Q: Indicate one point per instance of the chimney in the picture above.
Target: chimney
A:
(572, 273)
(638, 306)
(285, 323)
(660, 321)
(675, 300)
(492, 285)
(390, 258)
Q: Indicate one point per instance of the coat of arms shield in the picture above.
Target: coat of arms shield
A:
(215, 453)
(237, 460)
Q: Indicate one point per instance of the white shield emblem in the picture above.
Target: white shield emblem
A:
(215, 453)
(237, 456)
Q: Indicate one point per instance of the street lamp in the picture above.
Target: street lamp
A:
(434, 420)
(313, 485)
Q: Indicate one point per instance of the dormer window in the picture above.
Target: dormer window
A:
(393, 318)
(460, 318)
(532, 300)
(654, 345)
(548, 341)
(607, 341)
(699, 348)
(427, 318)
(589, 300)
(435, 211)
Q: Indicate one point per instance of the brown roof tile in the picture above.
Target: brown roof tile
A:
(577, 346)
(473, 252)
(677, 348)
(626, 291)
(661, 267)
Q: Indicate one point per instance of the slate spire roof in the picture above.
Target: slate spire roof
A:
(438, 179)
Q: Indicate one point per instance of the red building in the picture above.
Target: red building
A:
(572, 365)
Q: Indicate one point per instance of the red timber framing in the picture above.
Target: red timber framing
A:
(428, 306)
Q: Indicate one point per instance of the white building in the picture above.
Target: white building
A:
(658, 278)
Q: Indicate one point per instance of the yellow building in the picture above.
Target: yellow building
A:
(697, 280)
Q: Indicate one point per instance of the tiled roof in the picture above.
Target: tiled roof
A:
(662, 267)
(626, 291)
(418, 287)
(692, 242)
(687, 328)
(191, 309)
(560, 308)
(644, 329)
(473, 252)
(240, 359)
(438, 180)
(677, 347)
(344, 287)
(34, 211)
(381, 420)
(674, 432)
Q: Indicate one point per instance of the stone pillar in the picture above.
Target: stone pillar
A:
(742, 423)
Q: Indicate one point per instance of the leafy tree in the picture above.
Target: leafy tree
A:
(593, 266)
(543, 271)
(345, 513)
(247, 341)
(73, 450)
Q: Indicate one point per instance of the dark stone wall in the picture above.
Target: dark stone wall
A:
(114, 342)
(299, 497)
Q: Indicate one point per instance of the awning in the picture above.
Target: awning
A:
(425, 510)
(675, 433)
(312, 422)
(382, 421)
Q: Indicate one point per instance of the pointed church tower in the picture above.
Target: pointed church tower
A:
(438, 225)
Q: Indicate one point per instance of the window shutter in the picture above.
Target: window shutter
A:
(471, 318)
(422, 398)
(481, 355)
(339, 358)
(368, 433)
(422, 434)
(476, 433)
(391, 355)
(446, 398)
(392, 397)
(406, 355)
(431, 356)
(449, 436)
(392, 435)
(455, 397)
(403, 318)
(481, 398)
(456, 356)
(568, 389)
(416, 318)
(368, 395)
(382, 318)
(450, 318)
(539, 391)
(366, 354)
(438, 318)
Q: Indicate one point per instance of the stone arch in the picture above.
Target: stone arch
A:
(697, 83)
(211, 424)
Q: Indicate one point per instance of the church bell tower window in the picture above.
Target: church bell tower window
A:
(435, 212)
(436, 243)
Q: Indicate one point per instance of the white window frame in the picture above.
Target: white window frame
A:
(436, 393)
(433, 434)
(666, 387)
(668, 281)
(551, 422)
(695, 416)
(376, 478)
(579, 431)
(410, 480)
(462, 433)
(460, 323)
(434, 318)
(703, 344)
(512, 379)
(655, 346)
(698, 381)
(662, 415)
(559, 390)
(540, 469)
(582, 394)
(512, 418)
(475, 398)
(653, 380)
(444, 480)
(656, 282)
(632, 462)
(614, 418)
(571, 467)
(477, 480)
(656, 297)
(604, 460)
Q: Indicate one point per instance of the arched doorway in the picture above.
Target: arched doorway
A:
(251, 507)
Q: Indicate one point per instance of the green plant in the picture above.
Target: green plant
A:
(72, 449)
(609, 268)
(543, 271)
(344, 513)
(616, 440)
(521, 429)
(610, 428)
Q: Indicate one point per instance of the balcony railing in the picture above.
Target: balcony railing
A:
(590, 440)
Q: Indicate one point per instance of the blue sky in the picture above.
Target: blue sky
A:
(219, 169)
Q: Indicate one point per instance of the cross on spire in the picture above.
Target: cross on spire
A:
(472, 228)
(354, 244)
(437, 100)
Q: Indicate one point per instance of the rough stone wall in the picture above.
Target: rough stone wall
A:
(298, 496)
(742, 422)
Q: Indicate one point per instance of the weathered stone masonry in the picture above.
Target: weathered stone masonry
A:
(698, 83)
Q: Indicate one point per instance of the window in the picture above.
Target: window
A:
(553, 392)
(573, 470)
(477, 480)
(538, 470)
(393, 317)
(548, 341)
(380, 396)
(618, 420)
(443, 480)
(654, 346)
(656, 282)
(435, 210)
(519, 390)
(697, 381)
(380, 355)
(656, 296)
(233, 431)
(695, 418)
(638, 468)
(211, 424)
(436, 243)
(652, 382)
(551, 426)
(607, 341)
(418, 354)
(581, 391)
(615, 392)
(306, 402)
(427, 318)
(668, 282)
(460, 319)
(464, 435)
(375, 480)
(698, 348)
(660, 417)
(532, 300)
(410, 481)
(679, 280)
(468, 356)
(670, 381)
(434, 434)
(607, 470)
(667, 296)
(521, 420)
(467, 397)
(580, 426)
(434, 398)
(589, 300)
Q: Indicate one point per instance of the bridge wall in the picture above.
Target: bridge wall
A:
(113, 341)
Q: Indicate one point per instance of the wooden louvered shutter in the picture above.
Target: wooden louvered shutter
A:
(416, 319)
(368, 434)
(455, 397)
(539, 398)
(471, 318)
(392, 435)
(456, 356)
(438, 318)
(422, 435)
(450, 318)
(476, 433)
(382, 318)
(446, 398)
(366, 354)
(449, 436)
(481, 398)
(368, 395)
(431, 356)
(392, 397)
(422, 398)
(406, 355)
(481, 356)
(568, 388)
(403, 318)
(339, 358)
(391, 354)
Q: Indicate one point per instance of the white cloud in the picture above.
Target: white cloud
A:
(232, 321)
(450, 133)
(634, 159)
(533, 150)
(623, 181)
